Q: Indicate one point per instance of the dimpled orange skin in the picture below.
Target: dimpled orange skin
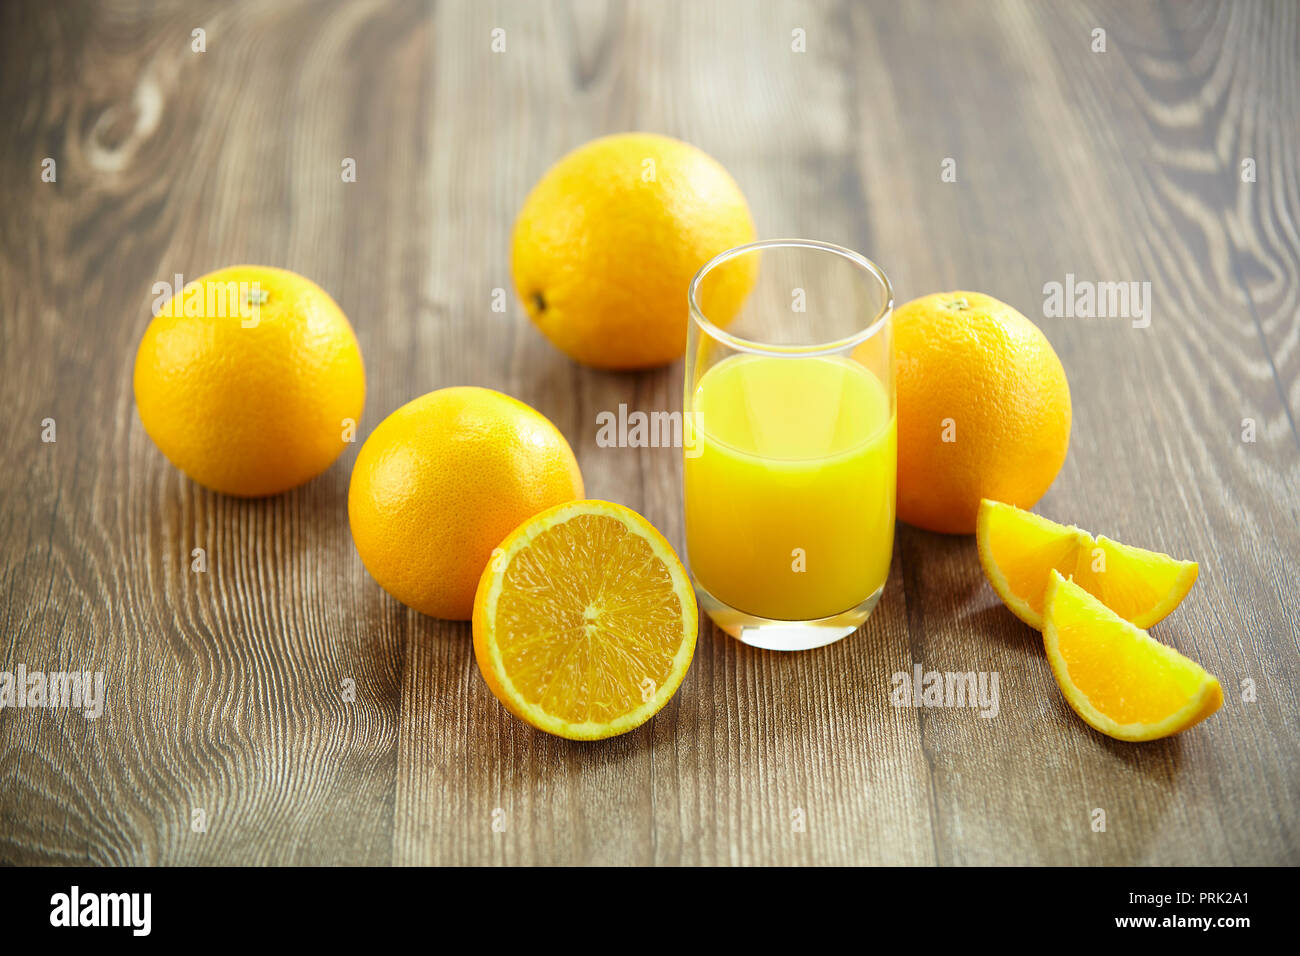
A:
(992, 372)
(442, 481)
(601, 257)
(251, 411)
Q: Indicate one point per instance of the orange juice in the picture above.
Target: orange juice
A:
(790, 472)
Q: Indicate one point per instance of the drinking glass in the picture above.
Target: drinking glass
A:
(790, 441)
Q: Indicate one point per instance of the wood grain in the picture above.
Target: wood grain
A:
(225, 689)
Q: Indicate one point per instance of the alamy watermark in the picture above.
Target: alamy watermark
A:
(1085, 299)
(638, 429)
(922, 688)
(73, 690)
(209, 299)
(131, 911)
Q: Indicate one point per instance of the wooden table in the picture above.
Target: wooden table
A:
(1169, 158)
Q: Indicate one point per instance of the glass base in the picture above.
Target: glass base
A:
(775, 635)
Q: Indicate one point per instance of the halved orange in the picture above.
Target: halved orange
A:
(1018, 549)
(1115, 676)
(584, 621)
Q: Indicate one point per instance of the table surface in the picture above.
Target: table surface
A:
(1169, 158)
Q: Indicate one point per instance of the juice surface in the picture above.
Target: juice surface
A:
(789, 474)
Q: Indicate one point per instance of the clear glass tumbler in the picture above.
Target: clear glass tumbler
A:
(790, 441)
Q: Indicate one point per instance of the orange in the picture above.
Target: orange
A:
(609, 239)
(1115, 676)
(585, 621)
(983, 409)
(441, 481)
(1018, 549)
(250, 380)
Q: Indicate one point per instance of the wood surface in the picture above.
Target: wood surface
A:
(225, 688)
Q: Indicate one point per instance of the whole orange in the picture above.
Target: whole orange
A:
(609, 239)
(442, 481)
(250, 380)
(983, 409)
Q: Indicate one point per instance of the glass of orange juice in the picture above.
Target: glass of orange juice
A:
(789, 441)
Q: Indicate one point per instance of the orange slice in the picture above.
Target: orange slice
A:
(1115, 676)
(584, 621)
(1019, 548)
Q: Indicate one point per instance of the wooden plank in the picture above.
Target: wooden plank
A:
(225, 688)
(1082, 168)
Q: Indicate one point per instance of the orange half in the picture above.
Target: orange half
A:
(1019, 549)
(1115, 676)
(584, 621)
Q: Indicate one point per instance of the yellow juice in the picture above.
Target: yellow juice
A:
(789, 473)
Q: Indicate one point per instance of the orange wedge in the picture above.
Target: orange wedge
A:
(1115, 676)
(1018, 549)
(584, 621)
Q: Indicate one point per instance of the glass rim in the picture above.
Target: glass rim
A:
(752, 346)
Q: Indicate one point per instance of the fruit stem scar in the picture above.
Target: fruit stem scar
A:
(539, 302)
(257, 296)
(958, 303)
